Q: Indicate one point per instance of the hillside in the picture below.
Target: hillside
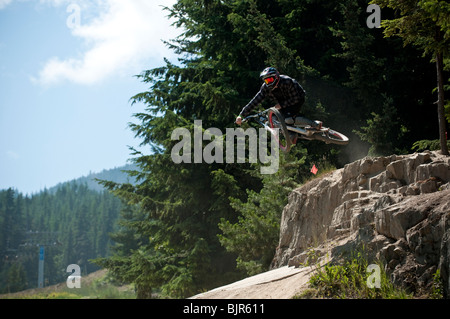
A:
(72, 220)
(96, 285)
(117, 174)
(397, 207)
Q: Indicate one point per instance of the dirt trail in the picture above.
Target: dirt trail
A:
(280, 283)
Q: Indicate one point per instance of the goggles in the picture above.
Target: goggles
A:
(269, 80)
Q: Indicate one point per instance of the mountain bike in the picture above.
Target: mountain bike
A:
(272, 119)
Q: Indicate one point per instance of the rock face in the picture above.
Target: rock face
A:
(397, 206)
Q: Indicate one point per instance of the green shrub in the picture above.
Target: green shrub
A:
(350, 280)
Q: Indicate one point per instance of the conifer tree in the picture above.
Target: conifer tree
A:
(425, 23)
(254, 237)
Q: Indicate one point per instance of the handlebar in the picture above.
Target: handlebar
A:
(246, 119)
(257, 115)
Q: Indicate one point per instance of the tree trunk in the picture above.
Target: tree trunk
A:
(143, 291)
(440, 104)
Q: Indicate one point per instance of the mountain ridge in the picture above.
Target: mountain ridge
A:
(116, 174)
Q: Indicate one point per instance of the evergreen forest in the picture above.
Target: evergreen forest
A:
(184, 228)
(71, 222)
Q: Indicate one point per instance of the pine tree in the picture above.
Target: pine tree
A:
(425, 23)
(254, 237)
(16, 278)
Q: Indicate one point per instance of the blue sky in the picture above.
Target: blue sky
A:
(66, 77)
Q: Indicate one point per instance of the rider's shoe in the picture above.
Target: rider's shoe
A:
(311, 130)
(289, 121)
(318, 125)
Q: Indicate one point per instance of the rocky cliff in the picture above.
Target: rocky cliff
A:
(397, 206)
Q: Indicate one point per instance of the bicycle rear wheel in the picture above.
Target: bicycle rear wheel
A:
(276, 121)
(332, 136)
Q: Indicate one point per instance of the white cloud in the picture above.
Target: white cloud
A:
(121, 38)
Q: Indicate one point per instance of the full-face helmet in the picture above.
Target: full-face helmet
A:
(270, 76)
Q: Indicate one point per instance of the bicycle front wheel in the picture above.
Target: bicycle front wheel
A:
(276, 121)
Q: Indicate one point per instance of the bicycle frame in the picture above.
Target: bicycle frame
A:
(261, 118)
(265, 119)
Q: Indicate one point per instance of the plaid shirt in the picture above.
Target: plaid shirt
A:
(288, 94)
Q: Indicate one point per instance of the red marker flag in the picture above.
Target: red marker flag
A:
(314, 169)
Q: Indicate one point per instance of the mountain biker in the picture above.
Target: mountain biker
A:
(287, 92)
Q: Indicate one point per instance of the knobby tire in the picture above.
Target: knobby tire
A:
(333, 137)
(276, 120)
